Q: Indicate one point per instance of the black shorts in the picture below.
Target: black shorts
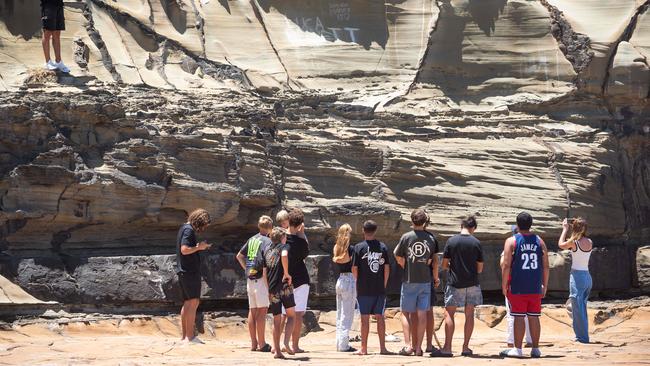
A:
(52, 17)
(281, 298)
(190, 285)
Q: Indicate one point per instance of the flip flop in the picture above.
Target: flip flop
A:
(266, 348)
(439, 353)
(387, 353)
(467, 353)
(406, 351)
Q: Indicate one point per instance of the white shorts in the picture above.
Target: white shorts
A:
(300, 296)
(258, 293)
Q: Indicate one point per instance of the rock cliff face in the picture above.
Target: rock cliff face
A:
(347, 109)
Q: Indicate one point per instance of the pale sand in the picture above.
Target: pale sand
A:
(623, 338)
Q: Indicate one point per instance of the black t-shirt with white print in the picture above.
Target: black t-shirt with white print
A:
(370, 256)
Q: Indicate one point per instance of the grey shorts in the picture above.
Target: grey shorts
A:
(463, 296)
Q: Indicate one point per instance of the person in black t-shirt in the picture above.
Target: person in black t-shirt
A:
(53, 23)
(256, 287)
(463, 257)
(275, 260)
(371, 268)
(298, 252)
(188, 268)
(416, 254)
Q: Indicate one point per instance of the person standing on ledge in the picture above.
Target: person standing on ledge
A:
(53, 23)
(249, 258)
(580, 280)
(524, 281)
(371, 269)
(463, 258)
(188, 268)
(416, 254)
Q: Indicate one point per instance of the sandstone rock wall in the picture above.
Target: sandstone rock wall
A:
(348, 109)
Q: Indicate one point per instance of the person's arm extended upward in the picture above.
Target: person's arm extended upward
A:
(546, 267)
(505, 264)
(562, 242)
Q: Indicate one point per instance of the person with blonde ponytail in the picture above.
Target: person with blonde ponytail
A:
(580, 280)
(346, 292)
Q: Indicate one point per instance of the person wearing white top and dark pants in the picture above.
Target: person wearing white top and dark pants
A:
(580, 281)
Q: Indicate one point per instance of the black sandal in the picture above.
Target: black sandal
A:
(439, 353)
(266, 348)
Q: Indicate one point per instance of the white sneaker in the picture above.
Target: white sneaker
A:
(512, 352)
(535, 353)
(196, 340)
(61, 66)
(50, 65)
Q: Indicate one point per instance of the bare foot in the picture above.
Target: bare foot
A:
(298, 350)
(288, 350)
(386, 352)
(279, 355)
(361, 353)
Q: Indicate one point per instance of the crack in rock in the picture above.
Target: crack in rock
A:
(624, 37)
(553, 166)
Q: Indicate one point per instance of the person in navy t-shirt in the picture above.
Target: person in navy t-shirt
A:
(524, 275)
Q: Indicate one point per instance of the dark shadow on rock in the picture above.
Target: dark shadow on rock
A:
(22, 18)
(225, 5)
(176, 15)
(485, 13)
(359, 21)
(444, 65)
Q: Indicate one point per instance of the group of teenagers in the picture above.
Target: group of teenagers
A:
(278, 282)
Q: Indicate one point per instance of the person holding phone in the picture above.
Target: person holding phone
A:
(580, 280)
(188, 268)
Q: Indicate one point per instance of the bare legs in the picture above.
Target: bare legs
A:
(469, 326)
(252, 330)
(406, 328)
(47, 36)
(277, 331)
(292, 330)
(450, 324)
(55, 37)
(365, 330)
(260, 325)
(256, 327)
(56, 44)
(418, 330)
(535, 330)
(188, 318)
(430, 330)
(449, 328)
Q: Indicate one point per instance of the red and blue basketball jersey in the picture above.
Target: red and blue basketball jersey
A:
(526, 270)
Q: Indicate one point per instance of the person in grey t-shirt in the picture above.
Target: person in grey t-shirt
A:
(415, 253)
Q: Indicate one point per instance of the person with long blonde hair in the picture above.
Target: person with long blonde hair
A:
(346, 291)
(580, 280)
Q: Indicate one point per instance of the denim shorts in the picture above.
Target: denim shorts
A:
(415, 296)
(371, 305)
(463, 296)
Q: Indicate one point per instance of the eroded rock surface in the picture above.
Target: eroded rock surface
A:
(348, 109)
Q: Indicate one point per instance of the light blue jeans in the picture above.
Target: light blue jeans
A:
(580, 286)
(346, 298)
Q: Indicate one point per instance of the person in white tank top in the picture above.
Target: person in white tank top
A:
(580, 280)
